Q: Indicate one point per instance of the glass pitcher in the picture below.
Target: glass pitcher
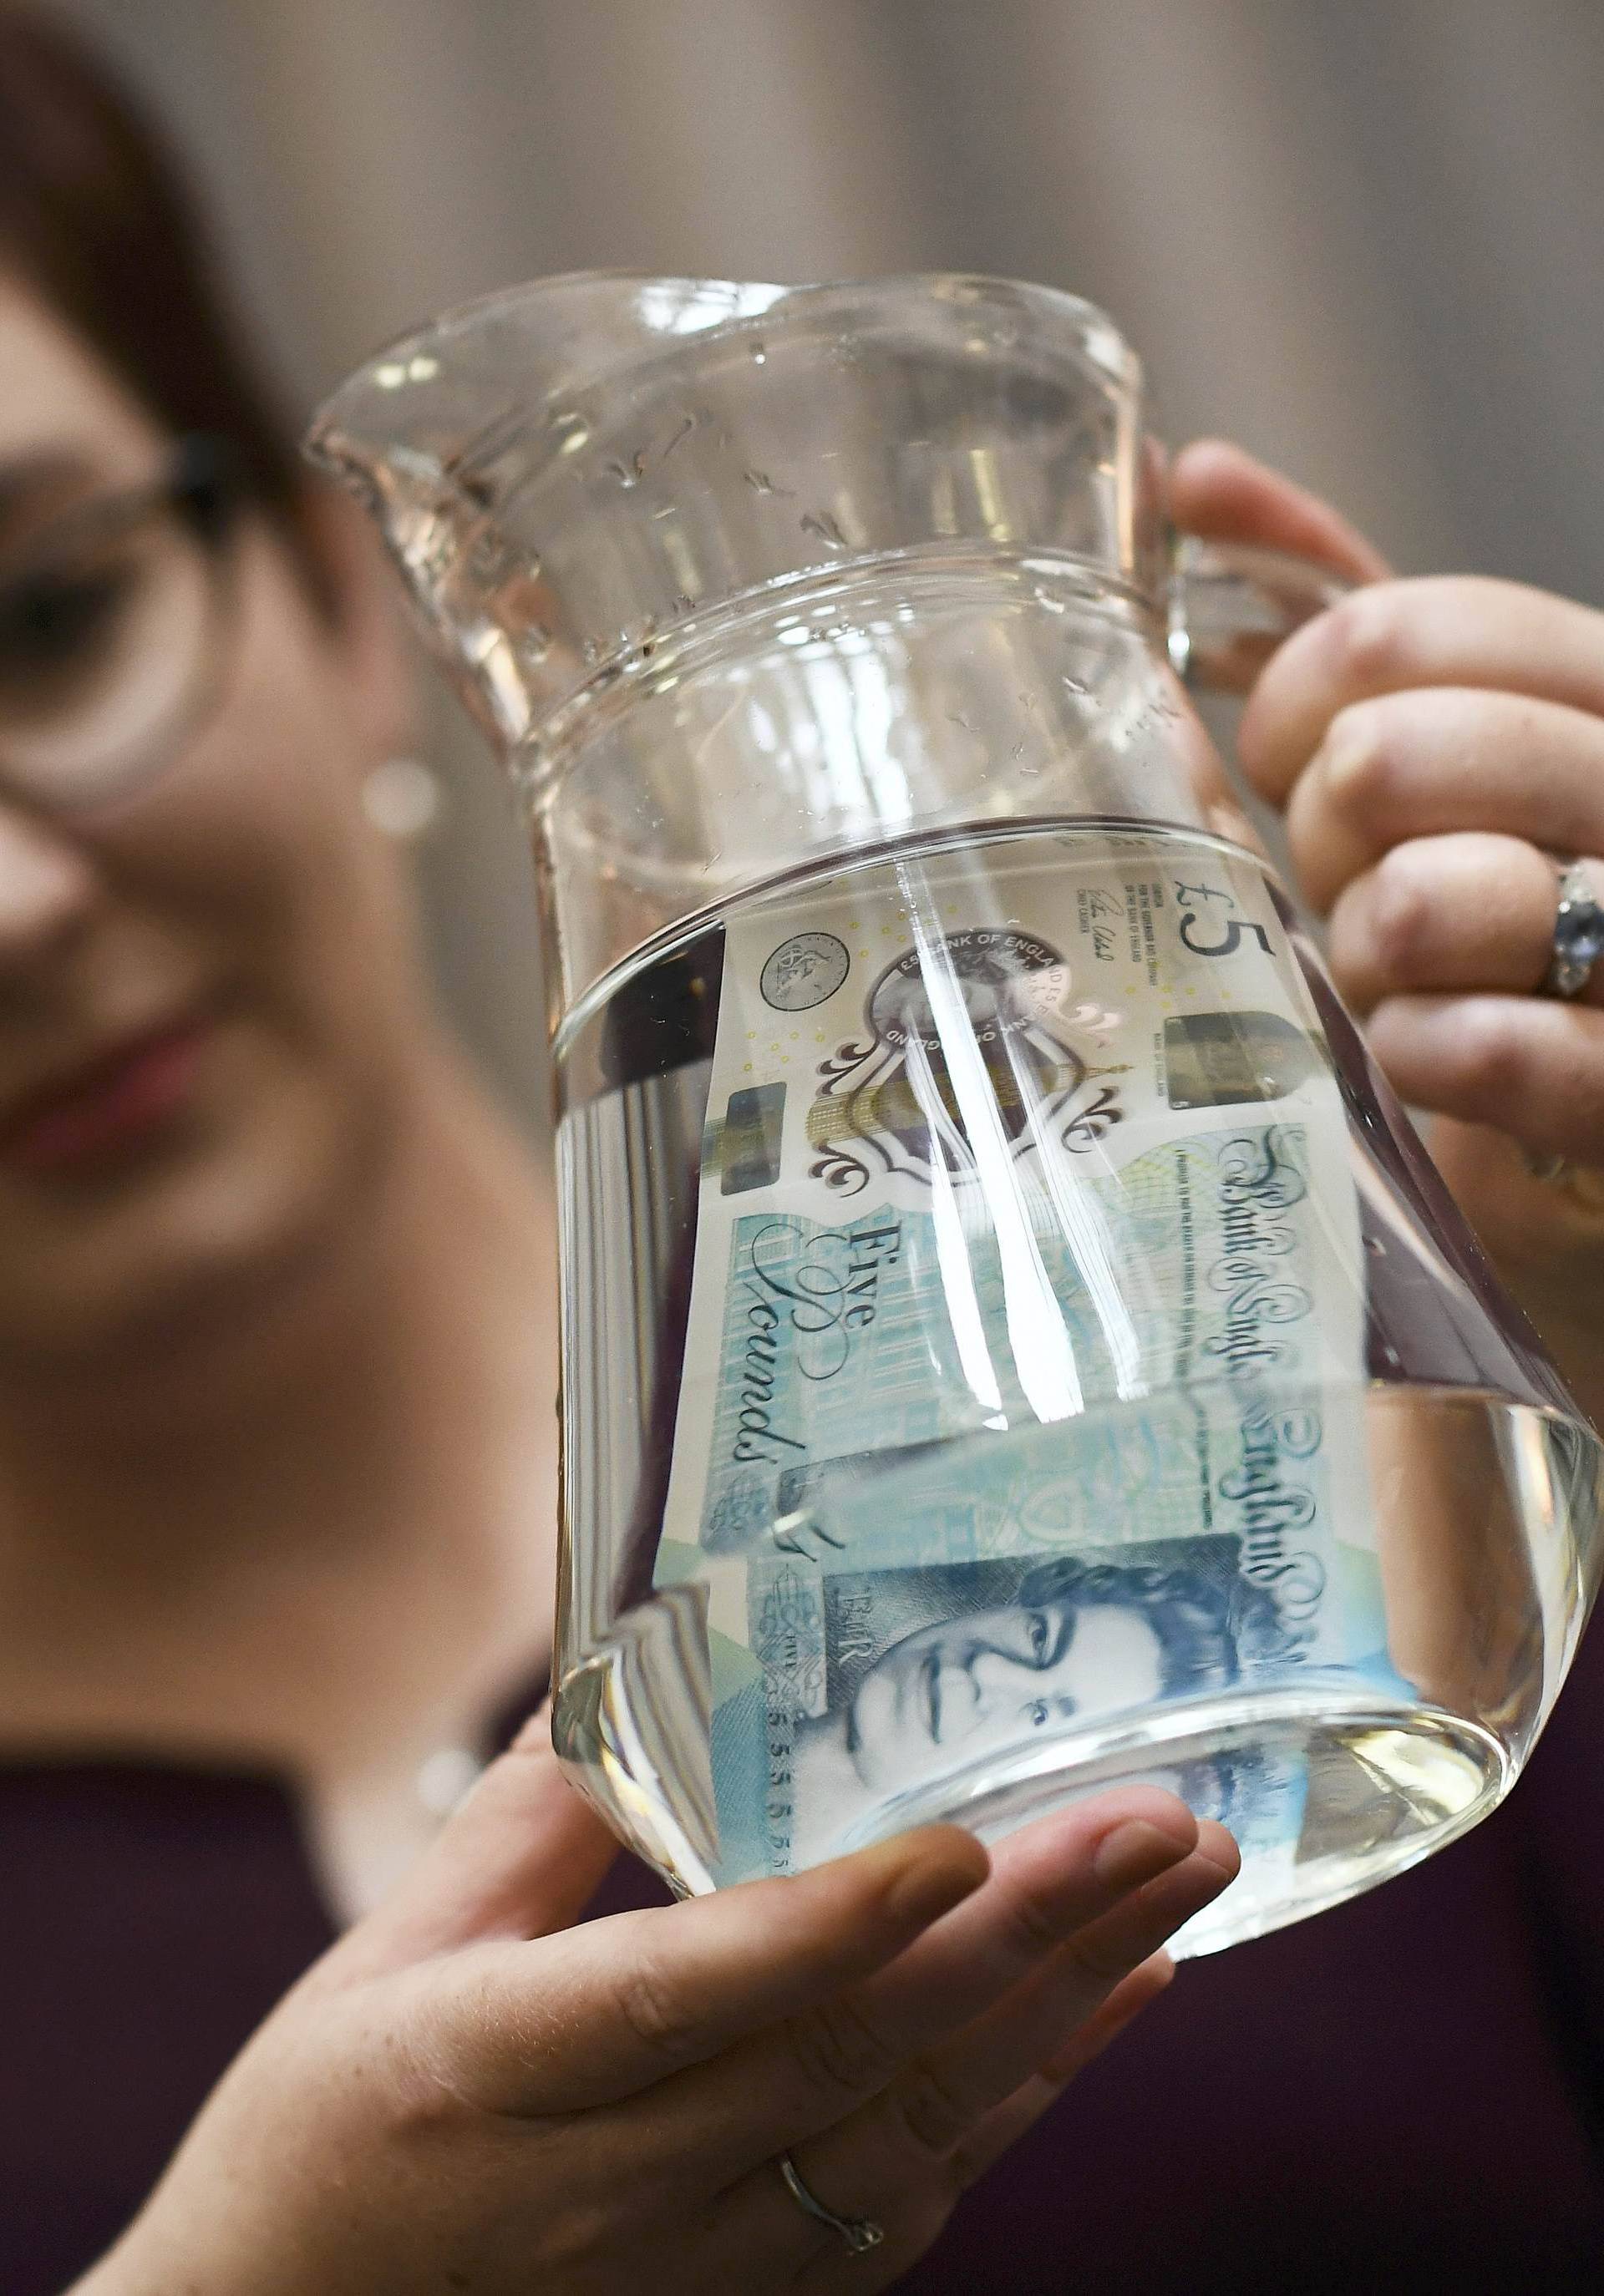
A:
(1013, 1343)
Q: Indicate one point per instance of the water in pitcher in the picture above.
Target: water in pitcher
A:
(984, 1258)
(1012, 1341)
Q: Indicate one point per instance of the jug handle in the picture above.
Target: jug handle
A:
(1231, 604)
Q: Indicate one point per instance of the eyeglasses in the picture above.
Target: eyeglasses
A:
(113, 626)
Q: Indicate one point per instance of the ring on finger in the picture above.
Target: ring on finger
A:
(1578, 933)
(861, 2233)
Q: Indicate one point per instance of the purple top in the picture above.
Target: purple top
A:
(1409, 2091)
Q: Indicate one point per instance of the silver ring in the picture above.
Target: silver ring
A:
(1578, 934)
(861, 2233)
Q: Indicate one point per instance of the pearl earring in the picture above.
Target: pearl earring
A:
(403, 799)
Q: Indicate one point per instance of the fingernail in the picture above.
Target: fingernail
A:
(1219, 1846)
(1203, 1879)
(1135, 1853)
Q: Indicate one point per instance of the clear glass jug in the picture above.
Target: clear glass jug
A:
(1012, 1341)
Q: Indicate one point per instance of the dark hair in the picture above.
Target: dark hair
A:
(95, 216)
(1207, 1629)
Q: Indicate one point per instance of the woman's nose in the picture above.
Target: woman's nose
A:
(48, 888)
(997, 1676)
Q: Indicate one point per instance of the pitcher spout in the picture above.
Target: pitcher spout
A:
(469, 441)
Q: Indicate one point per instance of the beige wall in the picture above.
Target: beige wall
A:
(1363, 235)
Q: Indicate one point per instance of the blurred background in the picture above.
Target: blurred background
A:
(1363, 236)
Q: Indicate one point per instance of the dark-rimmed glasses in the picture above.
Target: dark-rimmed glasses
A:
(113, 621)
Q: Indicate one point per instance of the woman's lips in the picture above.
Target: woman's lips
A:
(113, 1106)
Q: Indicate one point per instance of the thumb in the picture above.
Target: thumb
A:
(522, 1857)
(1222, 494)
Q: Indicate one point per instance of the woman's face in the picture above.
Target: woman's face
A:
(207, 995)
(978, 1683)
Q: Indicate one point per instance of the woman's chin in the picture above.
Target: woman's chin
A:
(194, 1249)
(832, 1798)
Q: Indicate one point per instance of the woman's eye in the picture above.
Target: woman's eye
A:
(1039, 1631)
(1036, 1713)
(54, 623)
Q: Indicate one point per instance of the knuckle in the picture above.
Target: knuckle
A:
(1369, 640)
(1359, 772)
(580, 2238)
(431, 2059)
(932, 2112)
(656, 2011)
(838, 2052)
(1488, 1056)
(1402, 917)
(1031, 1926)
(1103, 1955)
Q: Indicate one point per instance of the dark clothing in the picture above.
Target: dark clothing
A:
(1406, 2093)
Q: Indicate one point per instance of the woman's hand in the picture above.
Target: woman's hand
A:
(467, 2094)
(1434, 744)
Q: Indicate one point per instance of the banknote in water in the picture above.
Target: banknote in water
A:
(916, 1583)
(1202, 1260)
(868, 1683)
(1020, 1388)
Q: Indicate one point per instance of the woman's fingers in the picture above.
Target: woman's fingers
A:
(910, 2223)
(1132, 1995)
(1219, 495)
(1050, 1880)
(1071, 1892)
(1460, 913)
(986, 2143)
(1529, 1067)
(931, 2106)
(914, 2220)
(1224, 494)
(1442, 944)
(1441, 630)
(616, 2006)
(523, 1855)
(905, 2156)
(1419, 763)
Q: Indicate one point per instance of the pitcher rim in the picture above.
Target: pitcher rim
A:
(1123, 365)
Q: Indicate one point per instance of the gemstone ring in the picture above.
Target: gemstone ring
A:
(1578, 934)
